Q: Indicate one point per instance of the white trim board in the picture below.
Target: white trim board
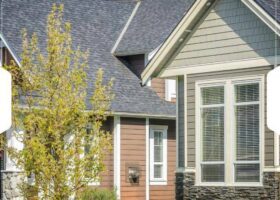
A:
(117, 155)
(147, 158)
(221, 66)
(163, 180)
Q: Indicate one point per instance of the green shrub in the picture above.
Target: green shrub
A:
(98, 194)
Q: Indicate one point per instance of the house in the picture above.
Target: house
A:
(120, 35)
(220, 53)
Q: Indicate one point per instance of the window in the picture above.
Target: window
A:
(158, 155)
(229, 132)
(170, 89)
(212, 113)
(247, 132)
(89, 142)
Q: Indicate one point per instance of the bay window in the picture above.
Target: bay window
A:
(229, 131)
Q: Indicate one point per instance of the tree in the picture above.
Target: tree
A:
(49, 98)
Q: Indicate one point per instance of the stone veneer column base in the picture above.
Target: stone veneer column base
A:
(269, 190)
(179, 185)
(11, 181)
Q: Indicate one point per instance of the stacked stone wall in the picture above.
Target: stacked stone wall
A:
(268, 191)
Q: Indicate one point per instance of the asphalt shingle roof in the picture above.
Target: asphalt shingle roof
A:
(151, 25)
(96, 25)
(272, 7)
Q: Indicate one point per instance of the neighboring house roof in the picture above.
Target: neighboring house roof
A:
(151, 25)
(262, 8)
(96, 26)
(272, 7)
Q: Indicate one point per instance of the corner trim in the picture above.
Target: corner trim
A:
(177, 123)
(117, 155)
(147, 158)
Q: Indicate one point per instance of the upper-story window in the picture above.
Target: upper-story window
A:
(170, 89)
(229, 132)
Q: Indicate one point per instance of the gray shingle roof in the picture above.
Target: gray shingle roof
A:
(151, 25)
(272, 7)
(96, 25)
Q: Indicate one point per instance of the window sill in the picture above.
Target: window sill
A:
(12, 171)
(249, 184)
(158, 182)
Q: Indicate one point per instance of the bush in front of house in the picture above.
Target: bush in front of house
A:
(97, 194)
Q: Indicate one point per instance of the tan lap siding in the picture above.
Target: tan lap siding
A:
(158, 86)
(133, 151)
(108, 175)
(191, 79)
(167, 191)
(230, 32)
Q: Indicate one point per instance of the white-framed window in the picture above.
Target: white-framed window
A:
(89, 142)
(229, 131)
(158, 155)
(170, 89)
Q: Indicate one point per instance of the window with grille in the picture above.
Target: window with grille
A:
(158, 154)
(212, 113)
(229, 131)
(247, 132)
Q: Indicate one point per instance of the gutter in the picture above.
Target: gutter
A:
(142, 115)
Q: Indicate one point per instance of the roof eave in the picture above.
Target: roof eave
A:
(10, 49)
(263, 15)
(183, 29)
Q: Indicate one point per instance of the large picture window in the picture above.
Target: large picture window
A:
(247, 132)
(212, 114)
(229, 131)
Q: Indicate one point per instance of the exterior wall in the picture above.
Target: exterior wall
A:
(7, 57)
(133, 152)
(136, 63)
(167, 191)
(133, 136)
(191, 79)
(107, 180)
(158, 86)
(269, 191)
(230, 32)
